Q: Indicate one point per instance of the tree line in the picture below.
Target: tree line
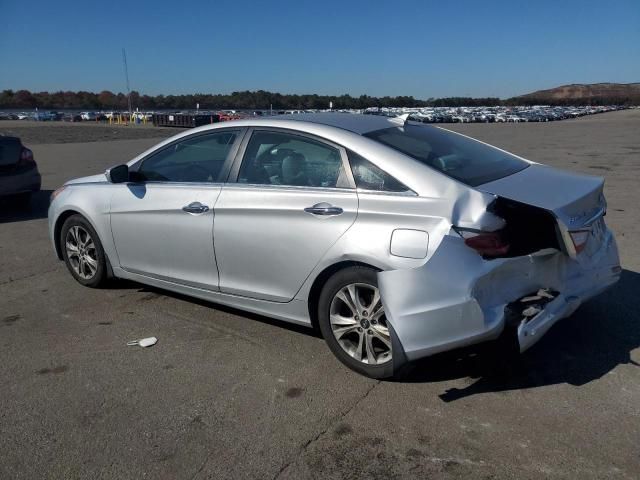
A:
(261, 100)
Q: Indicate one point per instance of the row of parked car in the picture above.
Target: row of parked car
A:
(493, 114)
(473, 114)
(426, 115)
(70, 116)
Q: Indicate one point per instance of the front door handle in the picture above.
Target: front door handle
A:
(195, 207)
(323, 209)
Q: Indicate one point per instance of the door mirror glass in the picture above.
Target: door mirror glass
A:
(119, 174)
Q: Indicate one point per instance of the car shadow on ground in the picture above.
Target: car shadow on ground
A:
(120, 284)
(13, 210)
(598, 337)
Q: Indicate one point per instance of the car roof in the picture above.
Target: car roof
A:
(357, 123)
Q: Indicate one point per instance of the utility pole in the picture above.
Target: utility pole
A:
(126, 75)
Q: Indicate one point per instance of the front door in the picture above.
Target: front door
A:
(162, 224)
(156, 236)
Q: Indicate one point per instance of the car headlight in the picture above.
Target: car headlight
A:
(56, 193)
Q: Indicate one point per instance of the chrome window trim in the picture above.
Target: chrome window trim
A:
(256, 186)
(406, 193)
(158, 183)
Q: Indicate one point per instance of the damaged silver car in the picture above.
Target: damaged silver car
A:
(397, 240)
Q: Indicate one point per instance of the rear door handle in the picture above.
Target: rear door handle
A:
(323, 209)
(195, 207)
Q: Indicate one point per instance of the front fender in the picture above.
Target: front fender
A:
(90, 201)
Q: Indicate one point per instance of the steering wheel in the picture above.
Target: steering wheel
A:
(431, 158)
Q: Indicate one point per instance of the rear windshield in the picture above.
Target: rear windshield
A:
(466, 160)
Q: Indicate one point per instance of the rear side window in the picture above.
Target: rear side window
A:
(468, 161)
(274, 158)
(369, 177)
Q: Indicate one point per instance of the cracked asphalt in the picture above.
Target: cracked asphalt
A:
(225, 394)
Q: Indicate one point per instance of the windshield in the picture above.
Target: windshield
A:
(469, 161)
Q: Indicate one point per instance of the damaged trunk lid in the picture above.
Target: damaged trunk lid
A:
(572, 197)
(576, 200)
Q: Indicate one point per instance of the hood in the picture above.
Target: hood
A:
(99, 178)
(574, 198)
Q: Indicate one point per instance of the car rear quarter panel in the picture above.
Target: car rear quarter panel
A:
(368, 240)
(459, 298)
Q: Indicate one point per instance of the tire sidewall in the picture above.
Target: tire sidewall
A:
(339, 280)
(99, 277)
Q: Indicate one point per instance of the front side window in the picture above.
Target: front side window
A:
(275, 158)
(369, 177)
(468, 161)
(196, 159)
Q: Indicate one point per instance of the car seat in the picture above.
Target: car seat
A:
(294, 170)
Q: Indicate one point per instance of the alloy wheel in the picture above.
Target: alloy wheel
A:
(81, 252)
(359, 324)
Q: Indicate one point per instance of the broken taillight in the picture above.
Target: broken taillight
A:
(579, 239)
(487, 244)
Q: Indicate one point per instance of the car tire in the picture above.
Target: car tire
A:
(82, 252)
(368, 334)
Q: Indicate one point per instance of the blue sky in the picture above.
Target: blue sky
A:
(420, 48)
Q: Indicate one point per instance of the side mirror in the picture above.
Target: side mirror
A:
(119, 174)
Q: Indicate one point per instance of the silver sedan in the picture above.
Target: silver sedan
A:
(397, 240)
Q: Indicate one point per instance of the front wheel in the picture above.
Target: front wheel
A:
(82, 252)
(354, 325)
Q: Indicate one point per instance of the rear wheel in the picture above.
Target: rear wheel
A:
(82, 252)
(353, 322)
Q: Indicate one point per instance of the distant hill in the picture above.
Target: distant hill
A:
(577, 93)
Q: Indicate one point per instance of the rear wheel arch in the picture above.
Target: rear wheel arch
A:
(359, 275)
(321, 279)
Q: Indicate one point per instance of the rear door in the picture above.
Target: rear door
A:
(162, 223)
(288, 201)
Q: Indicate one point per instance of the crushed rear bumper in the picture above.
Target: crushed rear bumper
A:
(457, 298)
